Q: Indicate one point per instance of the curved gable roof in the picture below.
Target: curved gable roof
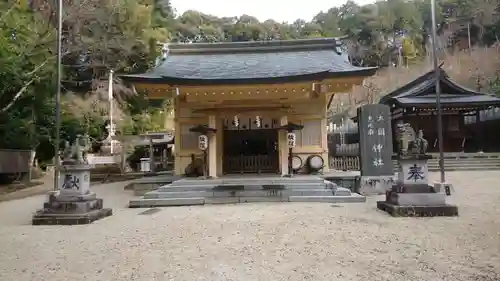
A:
(260, 61)
(422, 93)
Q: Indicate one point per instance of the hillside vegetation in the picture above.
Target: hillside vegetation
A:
(123, 35)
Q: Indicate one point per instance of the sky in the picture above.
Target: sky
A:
(279, 10)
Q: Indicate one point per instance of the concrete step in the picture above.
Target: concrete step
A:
(244, 193)
(251, 181)
(149, 203)
(466, 169)
(354, 198)
(463, 164)
(467, 164)
(166, 202)
(472, 160)
(174, 187)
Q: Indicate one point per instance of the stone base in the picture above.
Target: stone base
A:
(66, 209)
(417, 199)
(418, 211)
(415, 188)
(41, 218)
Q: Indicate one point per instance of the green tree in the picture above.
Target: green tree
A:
(26, 71)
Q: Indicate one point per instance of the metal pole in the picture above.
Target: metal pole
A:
(111, 133)
(58, 93)
(468, 35)
(437, 73)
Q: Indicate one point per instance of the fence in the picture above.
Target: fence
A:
(344, 163)
(15, 161)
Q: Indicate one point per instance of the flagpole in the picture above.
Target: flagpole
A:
(58, 94)
(437, 73)
(110, 100)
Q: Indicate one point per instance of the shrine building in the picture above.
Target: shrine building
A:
(245, 93)
(415, 103)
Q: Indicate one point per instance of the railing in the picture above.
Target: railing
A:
(351, 163)
(251, 164)
(344, 163)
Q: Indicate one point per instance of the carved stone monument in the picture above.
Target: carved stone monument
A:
(412, 195)
(375, 145)
(74, 202)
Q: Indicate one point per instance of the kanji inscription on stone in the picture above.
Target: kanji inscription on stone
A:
(71, 182)
(375, 140)
(416, 173)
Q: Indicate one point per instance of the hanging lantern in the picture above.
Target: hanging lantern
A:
(202, 142)
(258, 121)
(236, 121)
(291, 139)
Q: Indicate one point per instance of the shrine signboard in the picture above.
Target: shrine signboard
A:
(375, 140)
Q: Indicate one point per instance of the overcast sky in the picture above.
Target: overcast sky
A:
(279, 10)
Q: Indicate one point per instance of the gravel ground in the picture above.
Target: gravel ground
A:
(290, 241)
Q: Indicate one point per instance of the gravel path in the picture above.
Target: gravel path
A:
(254, 242)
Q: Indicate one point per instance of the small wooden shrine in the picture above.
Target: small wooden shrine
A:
(246, 92)
(415, 103)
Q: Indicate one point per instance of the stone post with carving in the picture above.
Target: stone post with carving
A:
(74, 202)
(412, 195)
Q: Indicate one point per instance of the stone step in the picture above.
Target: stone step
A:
(166, 202)
(466, 166)
(433, 169)
(496, 162)
(354, 198)
(251, 181)
(178, 188)
(245, 193)
(461, 160)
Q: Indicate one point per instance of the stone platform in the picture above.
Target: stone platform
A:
(70, 210)
(245, 189)
(418, 211)
(145, 184)
(68, 219)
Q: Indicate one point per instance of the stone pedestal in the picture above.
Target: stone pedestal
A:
(412, 195)
(74, 202)
(376, 185)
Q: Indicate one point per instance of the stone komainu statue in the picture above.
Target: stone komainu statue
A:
(76, 153)
(408, 141)
(195, 168)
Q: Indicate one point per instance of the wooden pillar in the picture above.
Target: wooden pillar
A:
(178, 168)
(324, 146)
(220, 145)
(212, 148)
(283, 147)
(168, 112)
(479, 128)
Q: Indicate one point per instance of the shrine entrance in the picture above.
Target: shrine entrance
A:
(250, 149)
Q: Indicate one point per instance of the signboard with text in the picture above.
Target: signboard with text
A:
(375, 140)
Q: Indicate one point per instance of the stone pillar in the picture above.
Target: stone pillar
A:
(283, 147)
(212, 147)
(74, 202)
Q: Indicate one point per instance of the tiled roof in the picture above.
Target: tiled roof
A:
(253, 61)
(422, 92)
